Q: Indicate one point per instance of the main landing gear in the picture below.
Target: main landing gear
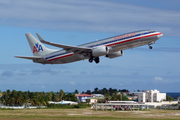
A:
(96, 59)
(91, 59)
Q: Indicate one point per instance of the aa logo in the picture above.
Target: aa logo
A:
(37, 48)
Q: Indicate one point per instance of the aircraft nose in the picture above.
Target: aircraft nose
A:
(160, 35)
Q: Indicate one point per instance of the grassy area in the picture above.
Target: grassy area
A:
(86, 114)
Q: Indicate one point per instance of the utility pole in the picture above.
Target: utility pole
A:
(121, 97)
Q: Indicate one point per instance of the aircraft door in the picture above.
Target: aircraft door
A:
(142, 37)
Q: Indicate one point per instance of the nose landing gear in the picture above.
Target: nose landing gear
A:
(150, 47)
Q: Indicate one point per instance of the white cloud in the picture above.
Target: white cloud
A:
(158, 78)
(95, 16)
(42, 86)
(72, 83)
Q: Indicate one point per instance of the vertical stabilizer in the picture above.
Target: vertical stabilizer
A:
(38, 49)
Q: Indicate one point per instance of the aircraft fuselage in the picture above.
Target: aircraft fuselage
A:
(117, 43)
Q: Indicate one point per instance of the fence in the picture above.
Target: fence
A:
(168, 107)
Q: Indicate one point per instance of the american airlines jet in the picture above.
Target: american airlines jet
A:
(110, 47)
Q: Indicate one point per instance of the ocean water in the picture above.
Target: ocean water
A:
(175, 95)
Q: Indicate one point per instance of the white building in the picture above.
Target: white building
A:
(151, 96)
(64, 102)
(141, 97)
(98, 95)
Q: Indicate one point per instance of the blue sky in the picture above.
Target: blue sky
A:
(75, 22)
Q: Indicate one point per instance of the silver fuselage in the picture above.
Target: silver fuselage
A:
(117, 43)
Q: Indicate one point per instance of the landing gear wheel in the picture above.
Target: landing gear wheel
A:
(90, 60)
(150, 47)
(96, 59)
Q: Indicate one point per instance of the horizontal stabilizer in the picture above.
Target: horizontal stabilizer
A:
(29, 57)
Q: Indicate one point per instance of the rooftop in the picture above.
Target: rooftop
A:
(84, 95)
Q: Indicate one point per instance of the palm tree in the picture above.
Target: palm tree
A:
(3, 101)
(4, 98)
(11, 101)
(107, 97)
(8, 91)
(0, 93)
(32, 102)
(96, 89)
(76, 91)
(19, 99)
(61, 94)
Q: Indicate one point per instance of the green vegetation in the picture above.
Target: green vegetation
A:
(169, 98)
(104, 91)
(16, 98)
(110, 94)
(87, 114)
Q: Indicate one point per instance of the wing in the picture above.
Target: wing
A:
(29, 57)
(68, 48)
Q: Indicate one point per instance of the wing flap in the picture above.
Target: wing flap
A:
(29, 57)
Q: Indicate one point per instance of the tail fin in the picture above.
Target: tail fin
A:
(37, 47)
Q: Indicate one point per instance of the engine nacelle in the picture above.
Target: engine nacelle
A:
(99, 51)
(115, 54)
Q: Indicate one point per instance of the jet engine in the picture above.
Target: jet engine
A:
(115, 54)
(101, 50)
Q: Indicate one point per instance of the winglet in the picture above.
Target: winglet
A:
(40, 38)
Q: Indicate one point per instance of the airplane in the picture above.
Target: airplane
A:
(110, 47)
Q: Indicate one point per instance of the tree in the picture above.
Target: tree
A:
(70, 97)
(110, 89)
(61, 94)
(124, 90)
(125, 98)
(107, 97)
(118, 97)
(49, 95)
(0, 93)
(8, 91)
(19, 98)
(96, 89)
(55, 97)
(76, 91)
(5, 98)
(169, 98)
(104, 91)
(88, 92)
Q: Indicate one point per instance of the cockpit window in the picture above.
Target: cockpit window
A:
(151, 31)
